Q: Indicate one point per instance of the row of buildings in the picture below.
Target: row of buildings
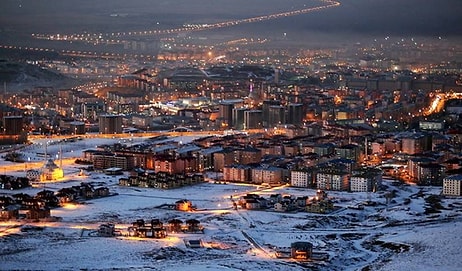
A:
(256, 103)
(320, 203)
(332, 178)
(157, 229)
(38, 207)
(10, 182)
(323, 162)
(162, 180)
(25, 206)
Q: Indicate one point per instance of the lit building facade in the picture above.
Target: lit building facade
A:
(365, 181)
(302, 178)
(332, 181)
(238, 118)
(253, 119)
(13, 125)
(110, 124)
(270, 175)
(51, 172)
(452, 185)
(237, 173)
(295, 114)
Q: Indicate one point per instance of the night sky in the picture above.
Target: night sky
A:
(430, 18)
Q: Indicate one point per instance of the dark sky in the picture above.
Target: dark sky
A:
(392, 17)
(359, 17)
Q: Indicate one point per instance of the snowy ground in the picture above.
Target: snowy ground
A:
(397, 236)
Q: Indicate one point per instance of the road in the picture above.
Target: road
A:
(439, 99)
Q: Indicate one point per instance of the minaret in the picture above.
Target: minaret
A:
(61, 156)
(250, 87)
(365, 148)
(254, 95)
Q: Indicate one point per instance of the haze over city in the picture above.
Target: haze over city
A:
(230, 135)
(351, 20)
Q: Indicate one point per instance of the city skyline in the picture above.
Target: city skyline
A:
(230, 135)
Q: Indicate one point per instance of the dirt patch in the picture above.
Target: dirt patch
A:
(395, 247)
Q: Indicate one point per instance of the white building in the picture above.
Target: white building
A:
(269, 175)
(237, 173)
(452, 185)
(333, 181)
(300, 178)
(367, 181)
(360, 184)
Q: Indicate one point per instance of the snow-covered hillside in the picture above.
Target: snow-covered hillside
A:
(397, 236)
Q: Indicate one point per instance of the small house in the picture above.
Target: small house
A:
(244, 199)
(113, 171)
(106, 230)
(156, 223)
(196, 243)
(301, 250)
(124, 182)
(252, 204)
(32, 203)
(87, 191)
(66, 195)
(302, 201)
(38, 213)
(101, 192)
(159, 233)
(174, 225)
(183, 205)
(193, 225)
(21, 198)
(155, 229)
(285, 205)
(48, 197)
(6, 200)
(279, 207)
(320, 206)
(9, 212)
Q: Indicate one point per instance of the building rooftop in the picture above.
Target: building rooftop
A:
(50, 164)
(457, 177)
